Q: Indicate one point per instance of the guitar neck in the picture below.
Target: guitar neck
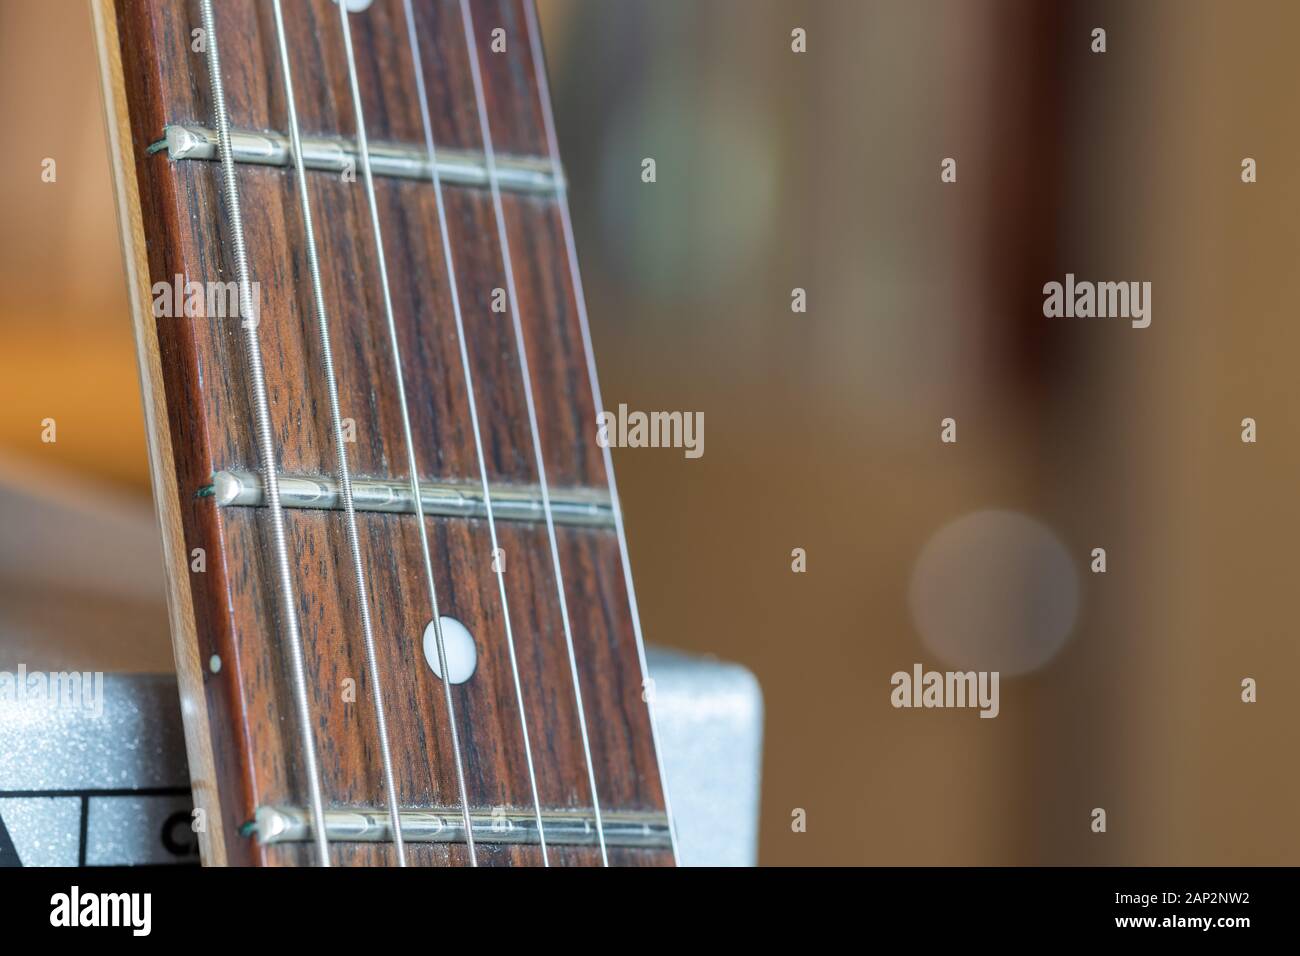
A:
(372, 404)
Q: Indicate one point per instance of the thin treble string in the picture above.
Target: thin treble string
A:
(473, 412)
(503, 239)
(265, 437)
(364, 152)
(571, 251)
(345, 477)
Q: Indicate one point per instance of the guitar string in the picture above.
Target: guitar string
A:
(571, 252)
(265, 437)
(473, 412)
(363, 150)
(504, 241)
(345, 477)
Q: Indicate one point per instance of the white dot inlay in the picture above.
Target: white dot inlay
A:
(458, 642)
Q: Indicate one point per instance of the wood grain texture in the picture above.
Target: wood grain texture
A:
(162, 467)
(247, 706)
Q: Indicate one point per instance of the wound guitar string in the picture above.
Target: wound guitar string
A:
(503, 240)
(473, 414)
(363, 150)
(265, 440)
(336, 421)
(571, 253)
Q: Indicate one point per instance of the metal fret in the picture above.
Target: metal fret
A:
(588, 507)
(525, 174)
(622, 828)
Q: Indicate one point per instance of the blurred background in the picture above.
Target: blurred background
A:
(821, 171)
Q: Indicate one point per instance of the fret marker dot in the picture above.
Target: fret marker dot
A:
(462, 654)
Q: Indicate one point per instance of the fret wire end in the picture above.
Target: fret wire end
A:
(226, 487)
(184, 142)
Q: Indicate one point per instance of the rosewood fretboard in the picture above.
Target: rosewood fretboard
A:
(242, 729)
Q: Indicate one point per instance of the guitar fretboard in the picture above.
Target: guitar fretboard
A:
(363, 288)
